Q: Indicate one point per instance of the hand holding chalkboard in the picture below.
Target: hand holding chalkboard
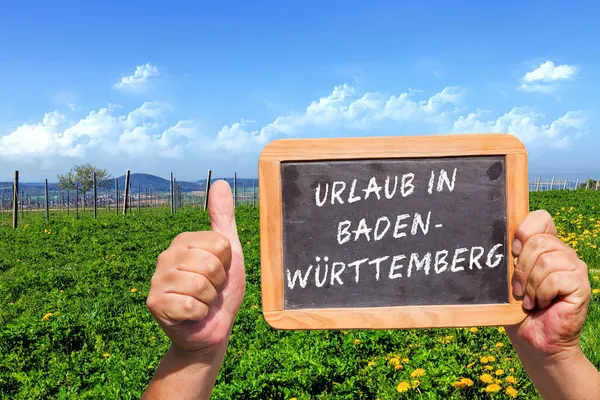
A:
(391, 232)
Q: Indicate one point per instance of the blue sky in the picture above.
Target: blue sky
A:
(157, 87)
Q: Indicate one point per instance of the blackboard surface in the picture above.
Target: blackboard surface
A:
(457, 218)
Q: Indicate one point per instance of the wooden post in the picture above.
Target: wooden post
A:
(565, 185)
(577, 184)
(235, 189)
(16, 200)
(47, 201)
(552, 183)
(207, 189)
(171, 195)
(95, 196)
(22, 205)
(117, 194)
(126, 197)
(77, 201)
(68, 201)
(537, 186)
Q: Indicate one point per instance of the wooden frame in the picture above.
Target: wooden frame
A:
(272, 281)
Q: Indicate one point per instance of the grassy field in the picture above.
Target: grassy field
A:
(74, 324)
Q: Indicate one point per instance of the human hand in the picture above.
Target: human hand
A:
(556, 290)
(199, 282)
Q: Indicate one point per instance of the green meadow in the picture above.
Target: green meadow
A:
(74, 323)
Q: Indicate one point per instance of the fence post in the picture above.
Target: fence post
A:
(207, 189)
(577, 184)
(537, 186)
(22, 205)
(16, 200)
(565, 185)
(235, 189)
(95, 196)
(552, 183)
(47, 205)
(126, 196)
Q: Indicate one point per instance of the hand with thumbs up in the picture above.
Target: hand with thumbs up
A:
(195, 294)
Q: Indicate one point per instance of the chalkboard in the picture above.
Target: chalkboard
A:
(391, 229)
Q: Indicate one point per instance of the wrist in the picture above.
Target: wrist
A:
(199, 357)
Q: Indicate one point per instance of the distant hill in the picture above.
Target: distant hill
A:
(145, 181)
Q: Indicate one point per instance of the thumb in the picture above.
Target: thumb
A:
(222, 213)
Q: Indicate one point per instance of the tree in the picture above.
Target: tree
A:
(84, 176)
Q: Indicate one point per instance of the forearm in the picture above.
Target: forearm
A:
(570, 376)
(184, 375)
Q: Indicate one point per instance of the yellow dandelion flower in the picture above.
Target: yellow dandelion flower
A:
(488, 367)
(47, 316)
(484, 347)
(511, 379)
(463, 382)
(499, 344)
(486, 378)
(106, 355)
(416, 383)
(398, 367)
(133, 290)
(473, 330)
(371, 364)
(405, 361)
(511, 391)
(499, 372)
(403, 387)
(483, 360)
(417, 373)
(356, 341)
(394, 360)
(511, 369)
(596, 278)
(491, 358)
(595, 291)
(469, 366)
(493, 388)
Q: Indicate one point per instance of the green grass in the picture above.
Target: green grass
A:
(99, 341)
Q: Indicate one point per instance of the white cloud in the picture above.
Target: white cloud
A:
(141, 132)
(541, 78)
(341, 109)
(147, 134)
(526, 125)
(138, 81)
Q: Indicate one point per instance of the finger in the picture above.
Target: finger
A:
(222, 213)
(536, 222)
(192, 284)
(202, 262)
(533, 248)
(560, 283)
(212, 242)
(173, 308)
(546, 264)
